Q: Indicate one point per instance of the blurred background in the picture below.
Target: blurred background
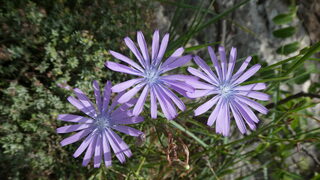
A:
(47, 46)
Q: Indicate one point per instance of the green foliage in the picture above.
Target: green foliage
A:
(49, 42)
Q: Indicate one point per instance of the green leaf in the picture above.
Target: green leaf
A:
(301, 60)
(284, 32)
(194, 48)
(283, 19)
(288, 48)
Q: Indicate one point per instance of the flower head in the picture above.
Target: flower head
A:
(228, 94)
(98, 127)
(151, 80)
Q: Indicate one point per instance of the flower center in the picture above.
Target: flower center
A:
(151, 75)
(226, 90)
(102, 121)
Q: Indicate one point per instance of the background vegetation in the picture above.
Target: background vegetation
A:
(48, 44)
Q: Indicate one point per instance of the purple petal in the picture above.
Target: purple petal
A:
(223, 120)
(257, 86)
(74, 118)
(115, 101)
(232, 62)
(242, 68)
(76, 103)
(206, 69)
(245, 115)
(98, 152)
(115, 147)
(155, 45)
(85, 101)
(223, 59)
(249, 112)
(255, 105)
(201, 93)
(213, 116)
(239, 120)
(165, 106)
(254, 94)
(179, 77)
(126, 60)
(135, 51)
(106, 96)
(201, 75)
(200, 85)
(177, 53)
(163, 47)
(72, 128)
(153, 104)
(84, 145)
(181, 91)
(76, 137)
(177, 63)
(97, 94)
(247, 74)
(215, 62)
(129, 120)
(140, 103)
(143, 47)
(173, 97)
(127, 130)
(123, 108)
(206, 106)
(128, 95)
(122, 68)
(125, 85)
(106, 150)
(89, 152)
(180, 84)
(121, 144)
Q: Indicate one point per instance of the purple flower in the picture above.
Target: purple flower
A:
(151, 79)
(228, 94)
(97, 128)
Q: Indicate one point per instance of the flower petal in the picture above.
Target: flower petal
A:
(255, 105)
(84, 145)
(106, 96)
(140, 103)
(76, 103)
(245, 115)
(98, 152)
(155, 46)
(128, 95)
(206, 106)
(179, 77)
(125, 85)
(215, 62)
(177, 63)
(72, 128)
(201, 75)
(143, 47)
(115, 147)
(162, 50)
(173, 97)
(256, 86)
(254, 94)
(223, 59)
(213, 116)
(129, 120)
(165, 105)
(135, 51)
(74, 118)
(242, 68)
(200, 85)
(126, 60)
(247, 74)
(89, 152)
(175, 55)
(201, 93)
(206, 69)
(223, 120)
(153, 104)
(106, 150)
(85, 101)
(127, 130)
(122, 68)
(180, 84)
(76, 137)
(239, 121)
(121, 144)
(232, 62)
